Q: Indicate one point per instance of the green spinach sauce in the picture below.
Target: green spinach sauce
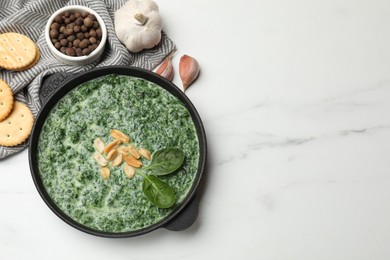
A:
(150, 115)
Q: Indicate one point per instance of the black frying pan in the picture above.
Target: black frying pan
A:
(58, 85)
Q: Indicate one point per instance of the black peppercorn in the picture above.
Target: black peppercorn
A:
(68, 32)
(70, 52)
(79, 21)
(77, 28)
(64, 42)
(84, 28)
(79, 52)
(57, 45)
(92, 40)
(86, 51)
(80, 35)
(58, 19)
(71, 38)
(94, 46)
(54, 33)
(76, 43)
(70, 26)
(92, 33)
(99, 33)
(88, 22)
(55, 26)
(84, 44)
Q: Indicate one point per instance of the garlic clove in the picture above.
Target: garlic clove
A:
(189, 70)
(166, 69)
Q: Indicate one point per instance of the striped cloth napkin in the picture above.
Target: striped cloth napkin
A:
(29, 17)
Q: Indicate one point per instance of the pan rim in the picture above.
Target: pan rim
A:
(75, 81)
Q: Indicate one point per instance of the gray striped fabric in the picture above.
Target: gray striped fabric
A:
(29, 18)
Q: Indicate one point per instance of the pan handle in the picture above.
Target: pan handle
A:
(186, 217)
(51, 84)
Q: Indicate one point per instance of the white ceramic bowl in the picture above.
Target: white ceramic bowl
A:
(80, 60)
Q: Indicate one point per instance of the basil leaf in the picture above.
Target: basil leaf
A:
(158, 192)
(165, 161)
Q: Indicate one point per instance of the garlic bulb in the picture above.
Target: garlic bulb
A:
(138, 25)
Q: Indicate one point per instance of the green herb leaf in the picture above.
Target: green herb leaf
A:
(158, 192)
(165, 161)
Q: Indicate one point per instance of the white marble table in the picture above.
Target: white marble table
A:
(295, 99)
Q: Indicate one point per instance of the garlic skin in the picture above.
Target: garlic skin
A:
(166, 69)
(189, 70)
(138, 25)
